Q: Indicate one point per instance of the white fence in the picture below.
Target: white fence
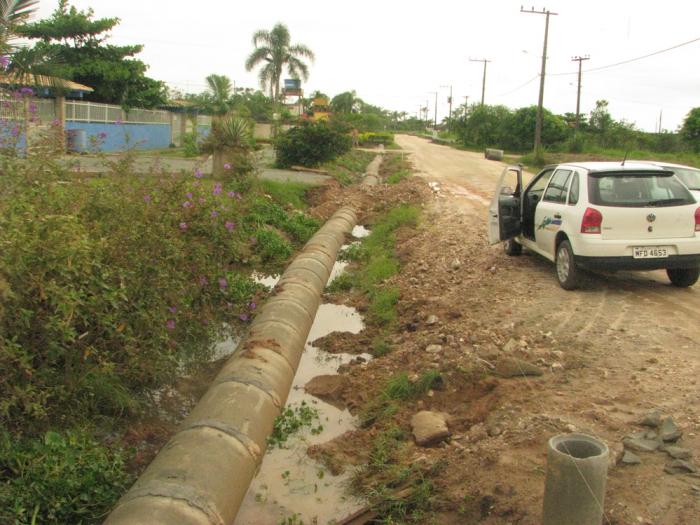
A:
(94, 112)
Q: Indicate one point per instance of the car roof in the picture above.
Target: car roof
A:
(664, 164)
(616, 167)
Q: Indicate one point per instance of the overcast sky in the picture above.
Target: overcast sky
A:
(395, 54)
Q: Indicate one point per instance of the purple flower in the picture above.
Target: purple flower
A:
(146, 198)
(172, 309)
(187, 204)
(170, 325)
(252, 305)
(189, 195)
(4, 61)
(203, 280)
(229, 226)
(202, 200)
(214, 214)
(32, 108)
(223, 283)
(243, 317)
(119, 121)
(183, 226)
(217, 188)
(231, 194)
(227, 166)
(198, 173)
(26, 91)
(15, 131)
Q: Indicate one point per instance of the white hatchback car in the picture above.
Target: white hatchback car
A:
(600, 215)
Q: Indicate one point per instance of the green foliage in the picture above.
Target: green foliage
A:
(483, 126)
(373, 138)
(265, 212)
(271, 246)
(400, 387)
(397, 166)
(77, 40)
(190, 145)
(520, 129)
(310, 144)
(292, 420)
(690, 130)
(61, 478)
(350, 167)
(287, 193)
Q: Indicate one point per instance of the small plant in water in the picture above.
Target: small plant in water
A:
(292, 420)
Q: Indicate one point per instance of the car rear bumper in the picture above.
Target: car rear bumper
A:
(630, 263)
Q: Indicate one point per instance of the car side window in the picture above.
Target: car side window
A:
(573, 190)
(556, 191)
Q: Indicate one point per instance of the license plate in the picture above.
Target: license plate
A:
(649, 252)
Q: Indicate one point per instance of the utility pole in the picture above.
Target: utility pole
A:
(538, 125)
(449, 101)
(578, 59)
(483, 78)
(435, 115)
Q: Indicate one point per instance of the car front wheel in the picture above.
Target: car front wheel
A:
(567, 272)
(683, 277)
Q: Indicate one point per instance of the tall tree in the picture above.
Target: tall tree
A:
(219, 95)
(78, 40)
(274, 51)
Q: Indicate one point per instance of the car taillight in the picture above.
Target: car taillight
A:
(697, 220)
(592, 220)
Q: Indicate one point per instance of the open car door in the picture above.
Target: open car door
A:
(504, 210)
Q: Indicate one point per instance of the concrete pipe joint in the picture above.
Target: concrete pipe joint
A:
(577, 468)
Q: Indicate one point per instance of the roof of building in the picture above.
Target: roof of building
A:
(43, 81)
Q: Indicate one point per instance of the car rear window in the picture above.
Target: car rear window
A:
(637, 190)
(690, 178)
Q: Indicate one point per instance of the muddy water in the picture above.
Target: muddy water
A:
(290, 485)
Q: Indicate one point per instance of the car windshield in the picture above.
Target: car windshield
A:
(637, 190)
(690, 177)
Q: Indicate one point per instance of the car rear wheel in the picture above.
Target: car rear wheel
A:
(683, 277)
(567, 272)
(512, 248)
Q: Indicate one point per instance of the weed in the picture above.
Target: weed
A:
(60, 478)
(287, 193)
(291, 420)
(398, 176)
(349, 167)
(380, 346)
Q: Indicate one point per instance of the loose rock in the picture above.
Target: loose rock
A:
(680, 466)
(433, 349)
(641, 444)
(327, 387)
(678, 452)
(652, 419)
(456, 264)
(429, 428)
(511, 367)
(431, 320)
(629, 458)
(669, 431)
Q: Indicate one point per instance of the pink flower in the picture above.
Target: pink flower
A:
(203, 280)
(172, 309)
(198, 173)
(229, 226)
(55, 122)
(231, 194)
(170, 325)
(217, 188)
(183, 226)
(223, 283)
(187, 204)
(227, 166)
(4, 61)
(243, 317)
(202, 200)
(189, 195)
(252, 305)
(146, 198)
(214, 214)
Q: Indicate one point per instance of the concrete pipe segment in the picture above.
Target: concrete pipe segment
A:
(371, 177)
(202, 474)
(577, 468)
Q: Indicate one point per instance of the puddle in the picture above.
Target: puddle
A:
(266, 280)
(290, 483)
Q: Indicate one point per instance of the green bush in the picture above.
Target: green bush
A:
(190, 145)
(375, 138)
(59, 478)
(310, 144)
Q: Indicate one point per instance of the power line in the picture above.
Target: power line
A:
(520, 86)
(631, 59)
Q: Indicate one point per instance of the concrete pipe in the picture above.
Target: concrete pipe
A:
(493, 154)
(577, 467)
(371, 177)
(202, 474)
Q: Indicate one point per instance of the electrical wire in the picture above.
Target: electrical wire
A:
(623, 62)
(519, 87)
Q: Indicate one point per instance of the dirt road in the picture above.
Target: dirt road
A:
(621, 346)
(610, 353)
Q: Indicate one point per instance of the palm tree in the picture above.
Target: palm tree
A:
(274, 51)
(12, 14)
(219, 96)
